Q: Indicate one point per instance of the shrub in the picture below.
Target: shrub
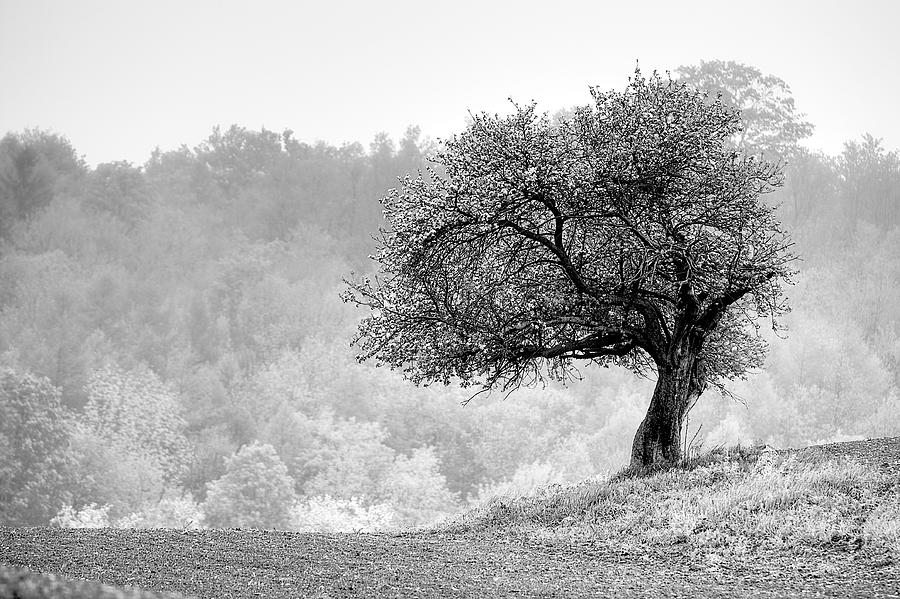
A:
(137, 411)
(330, 514)
(108, 473)
(255, 491)
(417, 490)
(90, 516)
(174, 510)
(349, 458)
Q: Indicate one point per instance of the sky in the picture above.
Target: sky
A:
(119, 77)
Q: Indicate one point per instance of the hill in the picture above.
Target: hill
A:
(821, 521)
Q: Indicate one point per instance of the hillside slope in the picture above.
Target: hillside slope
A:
(565, 542)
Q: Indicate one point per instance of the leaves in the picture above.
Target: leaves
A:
(255, 492)
(34, 457)
(136, 411)
(609, 236)
(772, 125)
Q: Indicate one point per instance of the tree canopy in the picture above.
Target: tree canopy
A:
(631, 233)
(771, 122)
(34, 443)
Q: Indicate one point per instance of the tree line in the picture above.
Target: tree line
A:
(171, 332)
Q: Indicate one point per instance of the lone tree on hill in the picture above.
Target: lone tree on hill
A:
(629, 234)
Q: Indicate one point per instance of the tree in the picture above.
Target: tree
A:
(870, 178)
(238, 157)
(137, 411)
(771, 122)
(34, 166)
(417, 490)
(34, 450)
(255, 492)
(25, 181)
(811, 188)
(110, 473)
(630, 234)
(345, 458)
(119, 189)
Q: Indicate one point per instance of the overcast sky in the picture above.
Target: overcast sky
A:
(119, 78)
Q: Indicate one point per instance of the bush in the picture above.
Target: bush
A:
(174, 510)
(90, 516)
(139, 412)
(255, 491)
(417, 490)
(110, 474)
(349, 458)
(329, 514)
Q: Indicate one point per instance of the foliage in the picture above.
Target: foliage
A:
(329, 514)
(171, 511)
(416, 490)
(114, 475)
(34, 167)
(871, 182)
(119, 189)
(829, 381)
(90, 516)
(280, 382)
(348, 459)
(174, 510)
(254, 492)
(432, 417)
(34, 458)
(137, 411)
(810, 191)
(604, 238)
(45, 320)
(772, 123)
(213, 445)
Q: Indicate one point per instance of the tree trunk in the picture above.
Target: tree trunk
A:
(658, 438)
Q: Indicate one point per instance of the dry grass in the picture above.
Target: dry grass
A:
(730, 502)
(782, 524)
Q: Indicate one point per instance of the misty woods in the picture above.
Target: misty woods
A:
(171, 334)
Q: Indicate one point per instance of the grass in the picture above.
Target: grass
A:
(728, 502)
(785, 522)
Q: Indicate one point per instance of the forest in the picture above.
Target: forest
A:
(174, 350)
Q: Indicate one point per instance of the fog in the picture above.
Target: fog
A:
(121, 78)
(171, 327)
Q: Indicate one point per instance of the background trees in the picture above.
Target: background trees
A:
(771, 122)
(154, 272)
(35, 166)
(136, 413)
(34, 447)
(254, 492)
